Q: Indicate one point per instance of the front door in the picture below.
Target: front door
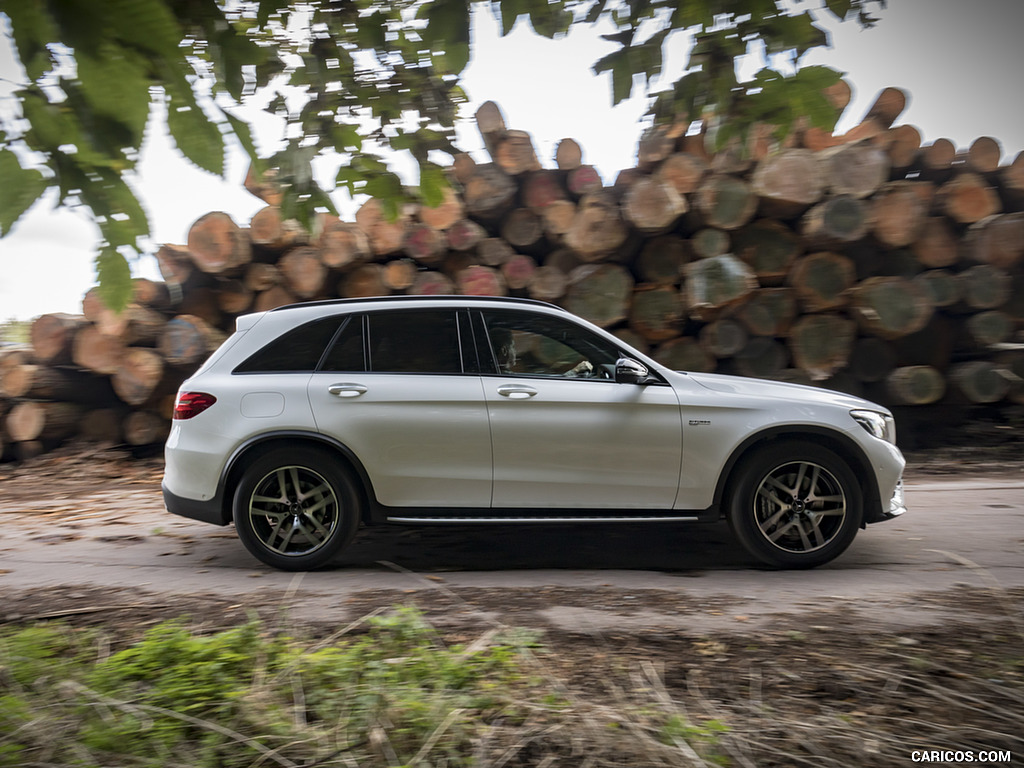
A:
(564, 433)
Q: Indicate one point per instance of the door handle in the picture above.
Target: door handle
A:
(516, 391)
(346, 389)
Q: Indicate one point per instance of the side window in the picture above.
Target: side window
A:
(531, 344)
(416, 341)
(346, 354)
(299, 350)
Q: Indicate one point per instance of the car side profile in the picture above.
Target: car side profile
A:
(314, 419)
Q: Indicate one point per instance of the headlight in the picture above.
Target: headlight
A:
(878, 424)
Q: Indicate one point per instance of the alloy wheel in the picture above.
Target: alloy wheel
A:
(800, 507)
(294, 511)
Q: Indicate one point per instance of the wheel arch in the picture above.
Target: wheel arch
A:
(265, 443)
(837, 442)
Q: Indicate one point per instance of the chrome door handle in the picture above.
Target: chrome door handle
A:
(516, 391)
(346, 390)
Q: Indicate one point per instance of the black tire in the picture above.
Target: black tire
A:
(795, 504)
(296, 509)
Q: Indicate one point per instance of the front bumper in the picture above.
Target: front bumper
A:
(897, 505)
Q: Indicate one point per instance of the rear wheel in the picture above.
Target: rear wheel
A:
(795, 505)
(296, 509)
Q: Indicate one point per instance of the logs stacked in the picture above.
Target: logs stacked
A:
(864, 262)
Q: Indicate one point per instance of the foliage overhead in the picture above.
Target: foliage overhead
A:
(351, 78)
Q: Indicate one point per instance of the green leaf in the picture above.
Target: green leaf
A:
(115, 279)
(433, 184)
(622, 81)
(197, 138)
(33, 28)
(841, 8)
(20, 189)
(146, 24)
(121, 217)
(115, 85)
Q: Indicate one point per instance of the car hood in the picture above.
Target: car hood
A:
(740, 385)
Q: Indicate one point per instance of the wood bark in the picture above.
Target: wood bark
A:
(996, 240)
(188, 340)
(683, 172)
(857, 170)
(269, 231)
(424, 244)
(821, 281)
(568, 155)
(768, 311)
(42, 421)
(899, 212)
(341, 244)
(837, 221)
(653, 206)
(445, 214)
(542, 188)
(916, 385)
(52, 336)
(303, 272)
(489, 192)
(718, 282)
(726, 202)
(515, 153)
(821, 344)
(903, 144)
(724, 338)
(769, 248)
(138, 376)
(872, 360)
(656, 313)
(936, 246)
(891, 307)
(980, 381)
(967, 199)
(685, 354)
(985, 287)
(385, 234)
(789, 182)
(548, 283)
(217, 245)
(599, 293)
(761, 358)
(984, 155)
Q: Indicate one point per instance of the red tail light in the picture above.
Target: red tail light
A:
(191, 404)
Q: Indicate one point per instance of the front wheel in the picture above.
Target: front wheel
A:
(795, 505)
(295, 509)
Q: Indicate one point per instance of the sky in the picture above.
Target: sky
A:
(959, 61)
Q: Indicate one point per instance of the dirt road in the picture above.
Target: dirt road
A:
(95, 529)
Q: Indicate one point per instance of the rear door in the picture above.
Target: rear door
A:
(396, 390)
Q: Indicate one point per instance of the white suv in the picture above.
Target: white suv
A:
(316, 418)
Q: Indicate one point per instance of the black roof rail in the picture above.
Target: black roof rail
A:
(406, 297)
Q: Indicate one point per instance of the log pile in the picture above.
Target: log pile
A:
(864, 262)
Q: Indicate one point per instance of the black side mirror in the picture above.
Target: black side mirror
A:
(629, 371)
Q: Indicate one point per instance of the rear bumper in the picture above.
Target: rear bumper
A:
(209, 511)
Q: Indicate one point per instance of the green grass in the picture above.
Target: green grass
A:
(396, 694)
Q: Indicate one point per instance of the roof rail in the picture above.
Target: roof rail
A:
(405, 297)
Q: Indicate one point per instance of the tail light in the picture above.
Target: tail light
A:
(191, 404)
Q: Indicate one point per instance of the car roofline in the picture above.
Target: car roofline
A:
(407, 298)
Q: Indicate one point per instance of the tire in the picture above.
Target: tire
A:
(296, 509)
(795, 504)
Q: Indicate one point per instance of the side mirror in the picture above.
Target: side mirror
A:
(629, 371)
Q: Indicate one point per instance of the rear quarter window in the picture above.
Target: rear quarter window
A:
(298, 350)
